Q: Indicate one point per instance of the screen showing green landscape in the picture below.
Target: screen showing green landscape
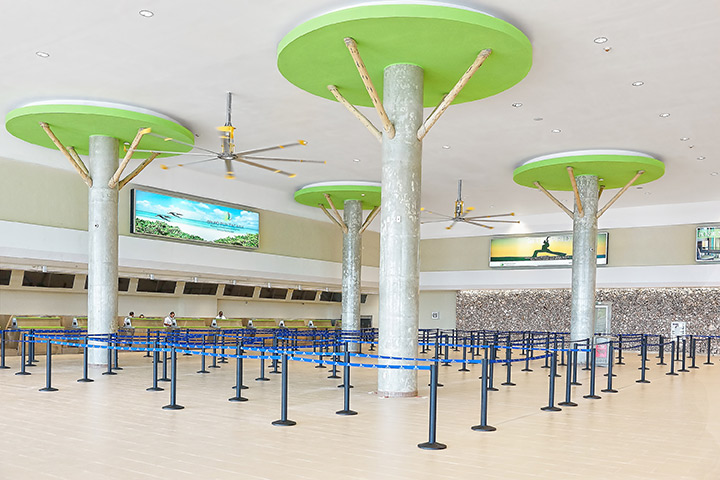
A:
(167, 216)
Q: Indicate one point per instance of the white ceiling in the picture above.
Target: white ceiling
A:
(183, 60)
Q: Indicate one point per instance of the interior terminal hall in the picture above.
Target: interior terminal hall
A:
(350, 240)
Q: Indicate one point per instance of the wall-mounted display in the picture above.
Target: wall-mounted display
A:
(540, 250)
(707, 241)
(193, 219)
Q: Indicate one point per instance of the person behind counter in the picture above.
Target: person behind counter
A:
(127, 323)
(170, 320)
(220, 316)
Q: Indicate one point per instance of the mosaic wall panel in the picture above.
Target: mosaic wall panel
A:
(634, 310)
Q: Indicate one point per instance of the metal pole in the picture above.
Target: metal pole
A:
(336, 351)
(238, 377)
(508, 365)
(571, 366)
(643, 355)
(464, 362)
(284, 401)
(346, 386)
(23, 349)
(672, 359)
(85, 378)
(708, 362)
(263, 352)
(109, 356)
(155, 357)
(683, 369)
(620, 350)
(31, 350)
(483, 426)
(173, 383)
(2, 350)
(400, 229)
(48, 368)
(432, 443)
(593, 362)
(115, 352)
(661, 348)
(491, 368)
(551, 387)
(610, 388)
(693, 347)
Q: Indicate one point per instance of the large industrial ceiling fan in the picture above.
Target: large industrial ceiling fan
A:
(228, 154)
(460, 215)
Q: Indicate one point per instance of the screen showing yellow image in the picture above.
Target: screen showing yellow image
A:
(539, 250)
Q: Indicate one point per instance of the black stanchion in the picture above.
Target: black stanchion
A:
(661, 350)
(155, 357)
(551, 387)
(575, 365)
(483, 426)
(568, 381)
(346, 386)
(31, 350)
(528, 354)
(620, 350)
(238, 377)
(683, 369)
(491, 369)
(164, 361)
(562, 350)
(464, 362)
(336, 351)
(593, 362)
(214, 354)
(262, 377)
(610, 374)
(643, 356)
(222, 349)
(587, 355)
(85, 378)
(693, 345)
(446, 362)
(508, 366)
(275, 360)
(115, 352)
(23, 350)
(109, 358)
(547, 351)
(147, 352)
(432, 443)
(672, 359)
(707, 362)
(202, 358)
(2, 350)
(284, 422)
(173, 405)
(48, 368)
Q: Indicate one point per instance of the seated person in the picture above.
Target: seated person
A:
(127, 323)
(170, 320)
(220, 316)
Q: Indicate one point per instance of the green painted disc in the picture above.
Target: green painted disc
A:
(313, 195)
(73, 122)
(443, 40)
(615, 168)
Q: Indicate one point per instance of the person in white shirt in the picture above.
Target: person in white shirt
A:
(170, 320)
(220, 316)
(127, 323)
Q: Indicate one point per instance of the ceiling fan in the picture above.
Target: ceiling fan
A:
(228, 154)
(461, 212)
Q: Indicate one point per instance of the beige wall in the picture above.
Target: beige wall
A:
(443, 303)
(58, 198)
(640, 246)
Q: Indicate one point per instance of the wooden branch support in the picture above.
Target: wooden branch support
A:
(79, 161)
(137, 170)
(578, 202)
(340, 220)
(342, 225)
(555, 200)
(365, 76)
(371, 216)
(448, 99)
(600, 190)
(128, 155)
(617, 195)
(363, 119)
(82, 171)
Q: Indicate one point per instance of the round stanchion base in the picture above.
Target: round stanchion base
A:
(620, 363)
(483, 428)
(161, 379)
(343, 386)
(642, 381)
(109, 373)
(85, 380)
(609, 390)
(663, 363)
(31, 364)
(592, 397)
(671, 373)
(346, 412)
(5, 366)
(432, 446)
(320, 366)
(684, 370)
(223, 360)
(568, 404)
(547, 366)
(438, 385)
(242, 387)
(492, 389)
(237, 399)
(459, 370)
(445, 364)
(586, 369)
(48, 389)
(276, 373)
(23, 373)
(186, 354)
(694, 366)
(641, 368)
(334, 376)
(154, 389)
(117, 368)
(704, 363)
(508, 384)
(214, 366)
(605, 375)
(577, 384)
(173, 407)
(550, 409)
(202, 371)
(526, 370)
(262, 379)
(284, 423)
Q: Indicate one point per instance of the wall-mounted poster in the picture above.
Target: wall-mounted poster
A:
(707, 244)
(540, 250)
(195, 220)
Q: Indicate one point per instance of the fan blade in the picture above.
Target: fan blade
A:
(169, 139)
(498, 215)
(449, 217)
(172, 153)
(166, 167)
(274, 170)
(422, 222)
(283, 159)
(491, 220)
(479, 224)
(450, 226)
(275, 147)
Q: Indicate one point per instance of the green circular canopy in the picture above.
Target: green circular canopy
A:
(73, 122)
(615, 168)
(443, 40)
(313, 195)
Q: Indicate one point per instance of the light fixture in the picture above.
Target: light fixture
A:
(42, 54)
(356, 160)
(600, 40)
(638, 84)
(362, 194)
(446, 147)
(44, 268)
(299, 287)
(195, 280)
(234, 282)
(538, 119)
(701, 158)
(684, 139)
(714, 174)
(638, 188)
(151, 276)
(664, 115)
(517, 104)
(556, 130)
(146, 13)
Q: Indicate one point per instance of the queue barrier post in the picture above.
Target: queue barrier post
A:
(483, 426)
(85, 378)
(568, 380)
(284, 422)
(673, 346)
(23, 350)
(109, 357)
(593, 362)
(610, 374)
(432, 443)
(346, 386)
(550, 407)
(173, 405)
(48, 368)
(2, 350)
(155, 357)
(238, 377)
(683, 369)
(707, 362)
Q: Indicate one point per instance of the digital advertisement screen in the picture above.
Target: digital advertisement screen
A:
(167, 216)
(540, 250)
(707, 244)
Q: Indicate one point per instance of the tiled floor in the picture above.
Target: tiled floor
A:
(113, 428)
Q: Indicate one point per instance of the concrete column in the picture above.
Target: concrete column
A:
(352, 256)
(400, 229)
(584, 262)
(103, 242)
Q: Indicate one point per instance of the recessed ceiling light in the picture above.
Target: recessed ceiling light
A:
(42, 54)
(701, 158)
(556, 130)
(362, 194)
(446, 147)
(648, 193)
(538, 119)
(714, 174)
(517, 104)
(638, 84)
(664, 115)
(639, 188)
(356, 159)
(600, 40)
(684, 139)
(146, 13)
